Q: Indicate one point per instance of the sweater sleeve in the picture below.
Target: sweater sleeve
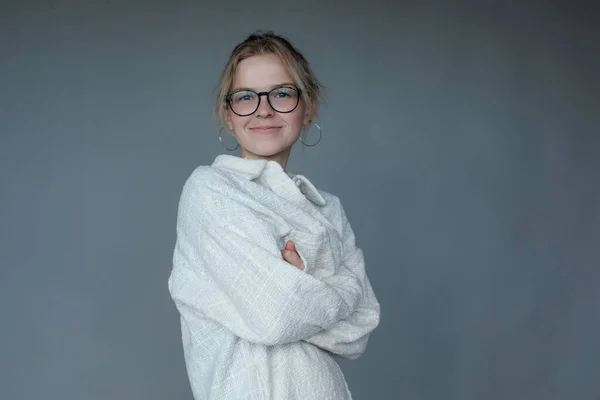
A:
(348, 337)
(235, 275)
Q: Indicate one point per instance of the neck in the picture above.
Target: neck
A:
(282, 157)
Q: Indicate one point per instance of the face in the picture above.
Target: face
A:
(266, 134)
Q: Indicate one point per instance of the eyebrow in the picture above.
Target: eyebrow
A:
(272, 87)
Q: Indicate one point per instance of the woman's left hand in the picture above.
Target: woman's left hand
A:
(290, 254)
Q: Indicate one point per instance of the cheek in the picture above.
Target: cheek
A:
(296, 120)
(237, 123)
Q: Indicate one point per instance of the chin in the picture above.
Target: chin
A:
(267, 150)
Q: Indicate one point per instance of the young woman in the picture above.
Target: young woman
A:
(266, 274)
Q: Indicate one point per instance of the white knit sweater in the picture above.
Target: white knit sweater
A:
(254, 326)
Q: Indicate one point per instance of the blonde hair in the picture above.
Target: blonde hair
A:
(259, 43)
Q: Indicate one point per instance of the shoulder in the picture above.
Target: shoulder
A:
(333, 202)
(207, 178)
(204, 194)
(197, 180)
(335, 213)
(203, 175)
(203, 185)
(333, 210)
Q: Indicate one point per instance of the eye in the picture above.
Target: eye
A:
(241, 97)
(284, 93)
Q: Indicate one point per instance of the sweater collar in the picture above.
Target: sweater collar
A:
(271, 173)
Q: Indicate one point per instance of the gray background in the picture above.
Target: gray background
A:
(462, 137)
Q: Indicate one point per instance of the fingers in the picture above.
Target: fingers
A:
(290, 245)
(293, 258)
(290, 256)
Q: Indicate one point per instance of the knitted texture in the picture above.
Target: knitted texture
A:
(254, 326)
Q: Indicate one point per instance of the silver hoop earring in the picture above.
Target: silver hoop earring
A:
(318, 140)
(223, 143)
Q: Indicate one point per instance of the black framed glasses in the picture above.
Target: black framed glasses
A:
(282, 99)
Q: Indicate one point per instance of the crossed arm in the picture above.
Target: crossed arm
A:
(238, 277)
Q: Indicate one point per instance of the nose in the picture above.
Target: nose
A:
(264, 108)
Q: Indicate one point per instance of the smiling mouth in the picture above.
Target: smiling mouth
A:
(265, 129)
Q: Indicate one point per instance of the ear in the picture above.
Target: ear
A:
(228, 121)
(307, 119)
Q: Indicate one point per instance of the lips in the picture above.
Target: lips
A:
(265, 129)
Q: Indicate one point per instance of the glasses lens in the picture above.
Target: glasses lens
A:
(244, 102)
(283, 99)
